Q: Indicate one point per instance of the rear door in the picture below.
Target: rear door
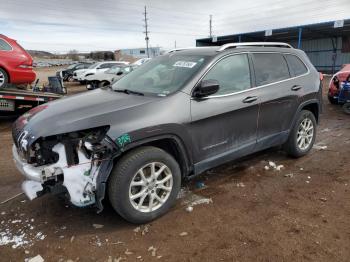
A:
(224, 125)
(279, 96)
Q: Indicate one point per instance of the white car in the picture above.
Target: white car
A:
(141, 61)
(99, 67)
(108, 77)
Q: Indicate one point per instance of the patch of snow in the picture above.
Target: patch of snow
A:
(194, 200)
(97, 226)
(189, 209)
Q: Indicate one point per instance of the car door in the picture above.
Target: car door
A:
(278, 94)
(224, 125)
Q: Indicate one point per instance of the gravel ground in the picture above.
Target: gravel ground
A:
(298, 213)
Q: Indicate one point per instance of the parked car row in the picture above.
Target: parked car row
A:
(108, 77)
(99, 67)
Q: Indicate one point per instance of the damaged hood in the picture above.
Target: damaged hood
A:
(101, 107)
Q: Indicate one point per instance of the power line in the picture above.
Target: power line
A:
(146, 30)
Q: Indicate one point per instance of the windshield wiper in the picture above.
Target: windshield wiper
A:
(128, 91)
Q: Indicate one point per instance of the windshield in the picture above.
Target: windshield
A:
(72, 66)
(93, 66)
(113, 70)
(163, 75)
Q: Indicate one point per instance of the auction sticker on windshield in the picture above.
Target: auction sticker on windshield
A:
(185, 64)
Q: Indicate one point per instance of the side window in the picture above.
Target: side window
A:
(296, 66)
(269, 68)
(232, 73)
(4, 46)
(107, 65)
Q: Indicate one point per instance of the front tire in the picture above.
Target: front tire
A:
(144, 184)
(302, 135)
(4, 80)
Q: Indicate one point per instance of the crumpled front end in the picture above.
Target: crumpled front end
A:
(77, 163)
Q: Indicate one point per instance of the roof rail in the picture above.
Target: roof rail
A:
(271, 44)
(184, 48)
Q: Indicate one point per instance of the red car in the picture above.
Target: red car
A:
(334, 85)
(16, 65)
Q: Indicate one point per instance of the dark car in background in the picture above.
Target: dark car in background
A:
(67, 74)
(171, 119)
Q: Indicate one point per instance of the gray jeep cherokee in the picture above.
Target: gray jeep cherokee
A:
(172, 118)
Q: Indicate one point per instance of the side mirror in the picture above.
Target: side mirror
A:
(206, 88)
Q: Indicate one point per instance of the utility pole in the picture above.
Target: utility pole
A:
(210, 26)
(146, 30)
(175, 43)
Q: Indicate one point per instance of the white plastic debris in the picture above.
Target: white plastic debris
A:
(182, 234)
(289, 175)
(37, 258)
(137, 229)
(279, 167)
(320, 147)
(153, 250)
(272, 164)
(127, 252)
(267, 167)
(240, 184)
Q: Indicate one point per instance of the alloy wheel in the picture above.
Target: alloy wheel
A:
(150, 187)
(305, 134)
(2, 79)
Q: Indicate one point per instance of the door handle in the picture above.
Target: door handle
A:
(296, 87)
(250, 99)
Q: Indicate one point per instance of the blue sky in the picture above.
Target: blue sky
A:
(85, 25)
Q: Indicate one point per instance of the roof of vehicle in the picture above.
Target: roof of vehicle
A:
(234, 47)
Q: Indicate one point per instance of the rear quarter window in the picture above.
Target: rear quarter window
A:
(269, 68)
(4, 46)
(296, 66)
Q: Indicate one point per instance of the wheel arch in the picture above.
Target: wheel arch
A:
(171, 144)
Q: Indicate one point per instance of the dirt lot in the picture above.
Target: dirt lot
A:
(300, 213)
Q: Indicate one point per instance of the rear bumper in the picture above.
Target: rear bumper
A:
(22, 76)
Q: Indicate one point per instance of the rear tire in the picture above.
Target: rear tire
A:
(302, 136)
(103, 84)
(332, 100)
(4, 79)
(136, 194)
(346, 108)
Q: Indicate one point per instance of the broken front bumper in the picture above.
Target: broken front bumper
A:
(33, 185)
(79, 180)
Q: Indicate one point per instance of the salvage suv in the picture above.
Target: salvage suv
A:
(173, 118)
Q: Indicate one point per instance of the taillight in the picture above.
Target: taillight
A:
(26, 66)
(321, 76)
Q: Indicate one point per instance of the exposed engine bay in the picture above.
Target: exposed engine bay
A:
(77, 163)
